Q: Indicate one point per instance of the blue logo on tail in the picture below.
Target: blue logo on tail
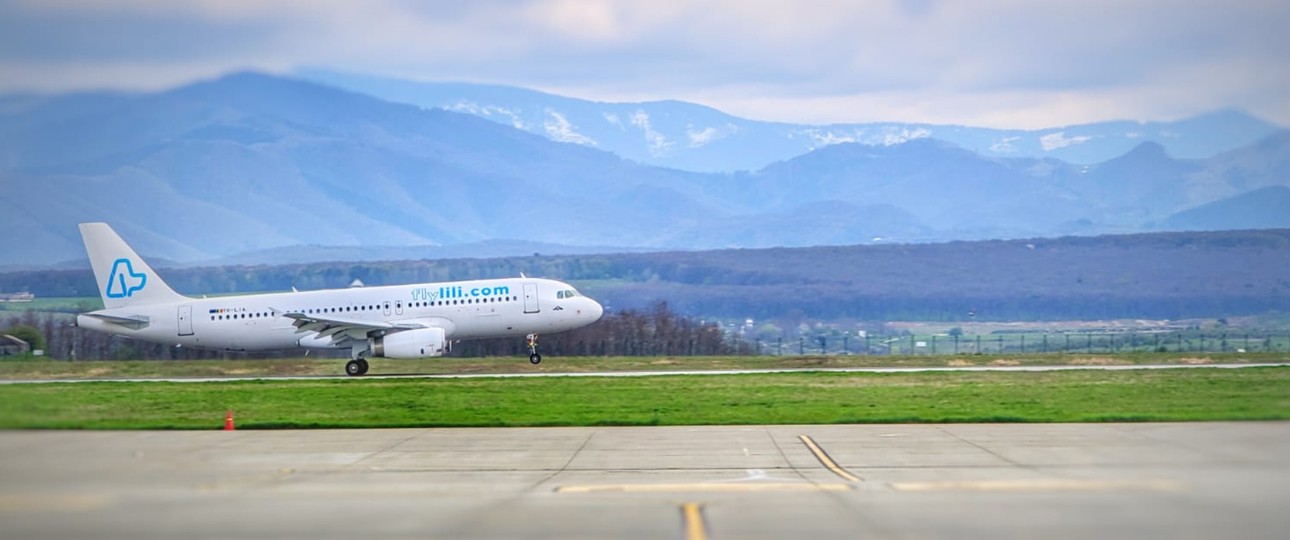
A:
(123, 282)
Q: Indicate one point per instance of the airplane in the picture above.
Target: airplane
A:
(394, 321)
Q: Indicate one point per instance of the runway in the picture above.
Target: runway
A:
(969, 369)
(1196, 480)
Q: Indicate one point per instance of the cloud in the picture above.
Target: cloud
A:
(988, 62)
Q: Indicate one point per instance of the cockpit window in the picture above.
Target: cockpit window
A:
(568, 293)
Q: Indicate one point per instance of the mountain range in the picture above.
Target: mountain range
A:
(694, 137)
(256, 163)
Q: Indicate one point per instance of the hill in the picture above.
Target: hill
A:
(1157, 276)
(250, 162)
(245, 166)
(1258, 208)
(694, 137)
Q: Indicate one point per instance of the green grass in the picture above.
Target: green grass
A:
(796, 398)
(55, 303)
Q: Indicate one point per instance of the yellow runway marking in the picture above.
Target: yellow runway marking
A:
(692, 522)
(1032, 486)
(704, 488)
(828, 462)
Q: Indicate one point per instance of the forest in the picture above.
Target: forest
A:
(1158, 276)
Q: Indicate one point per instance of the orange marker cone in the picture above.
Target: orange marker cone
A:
(228, 420)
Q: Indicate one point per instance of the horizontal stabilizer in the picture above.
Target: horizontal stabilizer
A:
(133, 322)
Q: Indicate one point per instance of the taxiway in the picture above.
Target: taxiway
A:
(1195, 480)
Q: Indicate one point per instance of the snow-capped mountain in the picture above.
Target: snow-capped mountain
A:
(693, 137)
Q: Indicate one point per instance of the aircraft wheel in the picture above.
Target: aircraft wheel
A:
(355, 367)
(535, 359)
(363, 361)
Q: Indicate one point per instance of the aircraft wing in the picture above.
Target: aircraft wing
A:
(342, 330)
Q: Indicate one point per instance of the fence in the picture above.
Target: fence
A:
(1086, 343)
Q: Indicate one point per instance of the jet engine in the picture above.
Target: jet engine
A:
(418, 343)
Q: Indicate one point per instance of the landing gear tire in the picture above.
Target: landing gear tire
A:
(356, 367)
(534, 357)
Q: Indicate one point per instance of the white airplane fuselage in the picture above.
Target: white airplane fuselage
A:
(397, 321)
(464, 309)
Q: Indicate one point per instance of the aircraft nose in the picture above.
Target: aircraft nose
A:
(597, 310)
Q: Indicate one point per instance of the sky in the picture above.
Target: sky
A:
(994, 63)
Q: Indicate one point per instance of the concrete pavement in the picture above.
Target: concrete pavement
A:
(1199, 480)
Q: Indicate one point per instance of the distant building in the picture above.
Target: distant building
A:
(12, 346)
(17, 297)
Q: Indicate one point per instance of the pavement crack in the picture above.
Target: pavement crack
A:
(566, 465)
(389, 448)
(784, 455)
(997, 455)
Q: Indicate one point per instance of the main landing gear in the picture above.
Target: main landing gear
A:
(534, 357)
(355, 367)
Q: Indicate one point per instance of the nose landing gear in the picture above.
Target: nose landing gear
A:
(534, 357)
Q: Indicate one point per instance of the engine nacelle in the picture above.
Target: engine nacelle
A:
(418, 343)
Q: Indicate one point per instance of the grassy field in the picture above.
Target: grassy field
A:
(115, 369)
(794, 398)
(55, 303)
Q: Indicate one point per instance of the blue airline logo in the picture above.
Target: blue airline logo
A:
(123, 282)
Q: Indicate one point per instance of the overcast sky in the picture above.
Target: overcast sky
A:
(999, 63)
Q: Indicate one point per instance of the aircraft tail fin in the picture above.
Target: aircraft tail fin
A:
(124, 278)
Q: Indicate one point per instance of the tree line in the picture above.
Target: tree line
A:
(1158, 276)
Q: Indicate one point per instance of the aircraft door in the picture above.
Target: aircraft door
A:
(398, 307)
(185, 320)
(387, 307)
(530, 298)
